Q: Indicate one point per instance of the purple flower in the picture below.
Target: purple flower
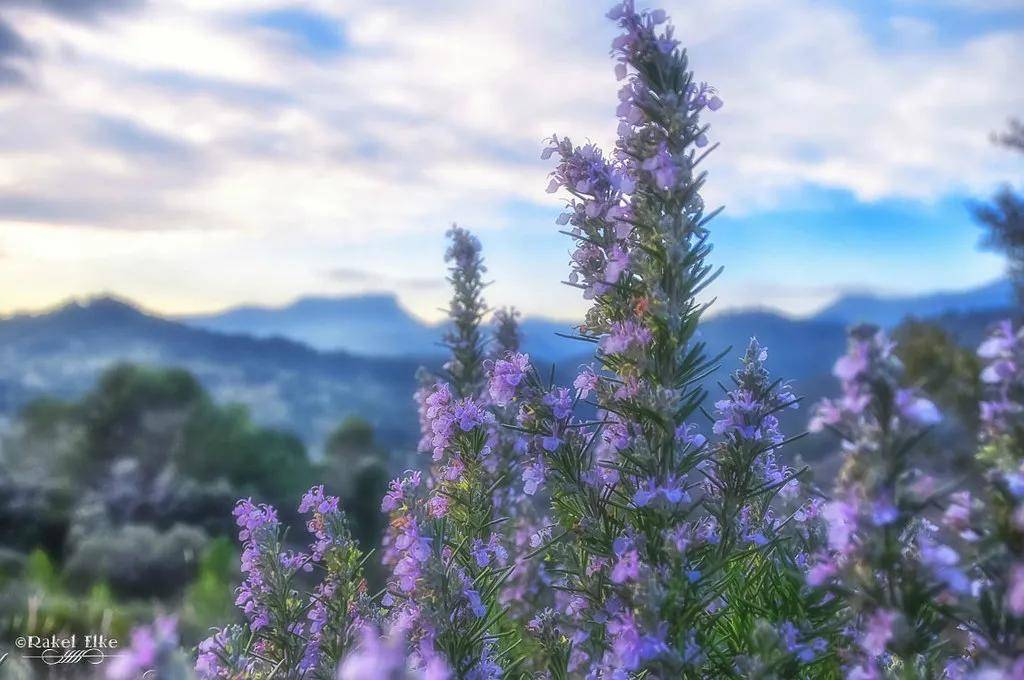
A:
(706, 531)
(850, 366)
(253, 519)
(883, 512)
(627, 568)
(958, 514)
(680, 537)
(411, 549)
(597, 268)
(469, 415)
(645, 493)
(841, 517)
(618, 262)
(315, 500)
(916, 409)
(437, 506)
(442, 415)
(540, 537)
(804, 651)
(627, 641)
(149, 646)
(1001, 343)
(828, 413)
(506, 375)
(586, 382)
(662, 167)
(683, 435)
(821, 572)
(210, 662)
(878, 630)
(1015, 591)
(943, 561)
(624, 336)
(374, 657)
(1003, 356)
(476, 605)
(560, 401)
(397, 490)
(576, 606)
(484, 552)
(258, 532)
(533, 476)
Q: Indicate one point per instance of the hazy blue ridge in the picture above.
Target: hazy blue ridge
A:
(306, 366)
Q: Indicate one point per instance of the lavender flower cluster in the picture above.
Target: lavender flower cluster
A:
(308, 631)
(627, 525)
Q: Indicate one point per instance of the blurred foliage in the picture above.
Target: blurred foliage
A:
(353, 437)
(354, 469)
(116, 506)
(210, 598)
(136, 560)
(949, 374)
(161, 416)
(145, 446)
(1003, 216)
(370, 482)
(38, 602)
(946, 370)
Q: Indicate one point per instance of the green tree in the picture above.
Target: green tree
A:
(948, 373)
(942, 367)
(353, 437)
(1003, 216)
(210, 599)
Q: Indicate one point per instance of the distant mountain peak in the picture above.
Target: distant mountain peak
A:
(374, 324)
(889, 310)
(104, 302)
(317, 304)
(383, 301)
(103, 305)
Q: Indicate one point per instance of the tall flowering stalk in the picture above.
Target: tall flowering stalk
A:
(291, 629)
(623, 483)
(465, 341)
(769, 623)
(900, 582)
(448, 560)
(999, 522)
(638, 559)
(447, 543)
(1002, 412)
(527, 590)
(507, 338)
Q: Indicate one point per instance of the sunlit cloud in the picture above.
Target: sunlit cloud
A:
(288, 127)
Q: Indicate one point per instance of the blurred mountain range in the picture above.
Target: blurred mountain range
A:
(284, 383)
(377, 324)
(889, 311)
(307, 366)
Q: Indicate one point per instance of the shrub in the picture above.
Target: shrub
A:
(626, 525)
(137, 559)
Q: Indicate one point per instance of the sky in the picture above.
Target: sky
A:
(192, 155)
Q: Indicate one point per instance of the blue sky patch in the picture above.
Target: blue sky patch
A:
(313, 33)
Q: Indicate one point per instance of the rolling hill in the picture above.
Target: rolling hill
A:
(377, 325)
(298, 367)
(284, 383)
(889, 311)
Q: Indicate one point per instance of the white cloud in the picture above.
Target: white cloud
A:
(436, 112)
